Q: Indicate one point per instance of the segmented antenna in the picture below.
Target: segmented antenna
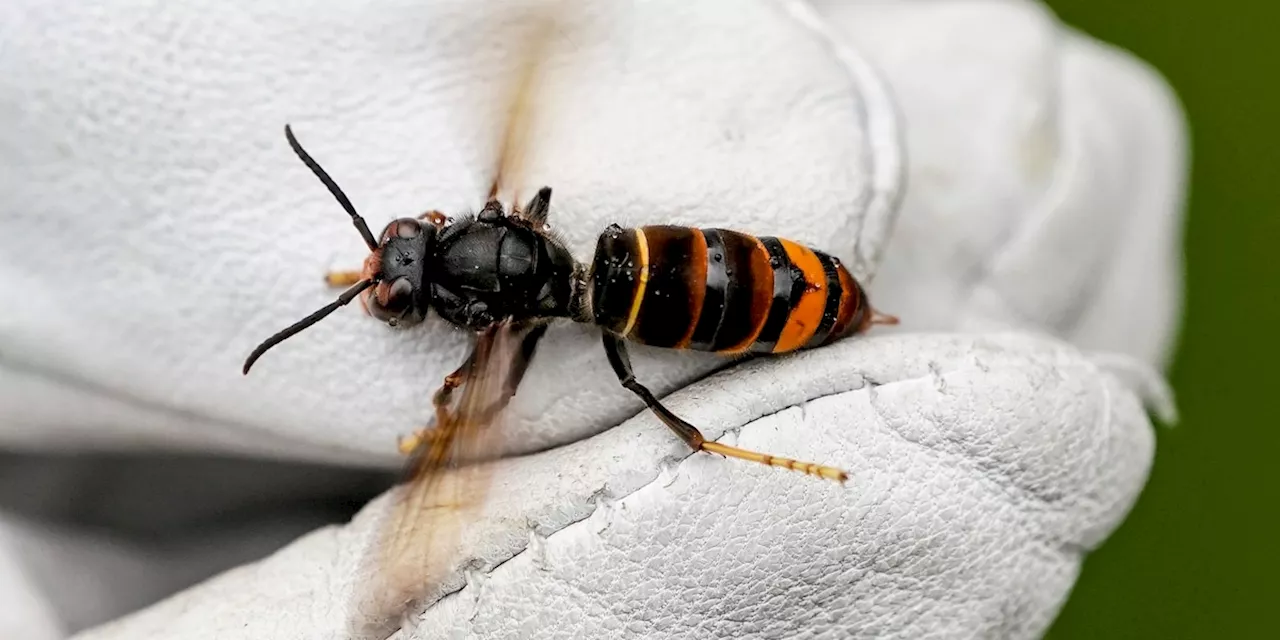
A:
(333, 189)
(346, 297)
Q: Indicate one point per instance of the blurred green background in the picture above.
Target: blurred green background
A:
(1198, 556)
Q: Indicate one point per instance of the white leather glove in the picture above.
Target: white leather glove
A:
(155, 227)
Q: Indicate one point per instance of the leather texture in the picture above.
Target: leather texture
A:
(982, 468)
(994, 171)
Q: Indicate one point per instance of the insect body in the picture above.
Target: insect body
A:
(666, 286)
(720, 290)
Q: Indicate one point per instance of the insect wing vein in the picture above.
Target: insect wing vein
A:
(447, 481)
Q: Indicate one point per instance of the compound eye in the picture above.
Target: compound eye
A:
(406, 228)
(391, 300)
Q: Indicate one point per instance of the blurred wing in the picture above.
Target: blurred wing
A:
(520, 110)
(417, 546)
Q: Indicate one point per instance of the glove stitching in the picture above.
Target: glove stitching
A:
(595, 499)
(863, 383)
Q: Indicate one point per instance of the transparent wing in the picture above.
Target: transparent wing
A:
(543, 26)
(447, 479)
(416, 549)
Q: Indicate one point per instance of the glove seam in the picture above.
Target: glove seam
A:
(668, 465)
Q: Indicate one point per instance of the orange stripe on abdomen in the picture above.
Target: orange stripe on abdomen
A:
(806, 314)
(850, 303)
(755, 279)
(697, 284)
(668, 308)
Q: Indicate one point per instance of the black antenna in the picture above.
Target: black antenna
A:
(346, 297)
(333, 188)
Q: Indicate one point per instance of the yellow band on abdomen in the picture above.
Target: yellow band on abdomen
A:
(642, 260)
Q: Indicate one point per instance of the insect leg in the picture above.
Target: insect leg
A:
(616, 350)
(342, 278)
(536, 211)
(519, 365)
(434, 217)
(412, 442)
(443, 395)
(528, 347)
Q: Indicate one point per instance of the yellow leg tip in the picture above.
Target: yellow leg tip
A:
(341, 278)
(410, 443)
(807, 468)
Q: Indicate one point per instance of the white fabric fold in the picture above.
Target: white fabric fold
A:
(1046, 176)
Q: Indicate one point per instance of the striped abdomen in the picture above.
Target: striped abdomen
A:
(720, 290)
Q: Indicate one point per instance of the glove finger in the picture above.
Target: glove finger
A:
(1047, 176)
(982, 468)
